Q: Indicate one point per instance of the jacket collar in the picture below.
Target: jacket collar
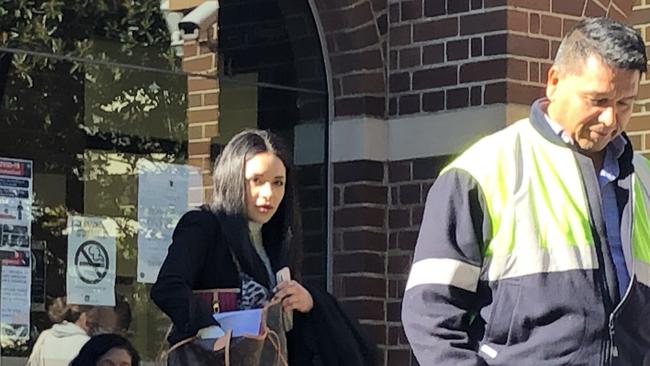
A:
(538, 120)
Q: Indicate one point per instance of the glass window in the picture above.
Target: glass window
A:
(110, 125)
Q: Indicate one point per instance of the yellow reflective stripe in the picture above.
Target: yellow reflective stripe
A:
(444, 271)
(528, 259)
(641, 197)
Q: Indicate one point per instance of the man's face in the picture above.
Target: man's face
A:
(594, 103)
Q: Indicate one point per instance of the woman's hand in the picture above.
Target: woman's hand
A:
(294, 296)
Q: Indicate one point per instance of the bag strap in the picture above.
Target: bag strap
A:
(223, 342)
(275, 342)
(162, 354)
(207, 209)
(272, 335)
(180, 344)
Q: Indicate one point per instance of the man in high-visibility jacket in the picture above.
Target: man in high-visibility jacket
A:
(534, 248)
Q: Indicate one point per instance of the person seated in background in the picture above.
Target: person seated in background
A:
(58, 345)
(107, 350)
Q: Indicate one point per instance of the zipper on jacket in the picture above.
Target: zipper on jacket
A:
(612, 316)
(602, 251)
(613, 350)
(605, 359)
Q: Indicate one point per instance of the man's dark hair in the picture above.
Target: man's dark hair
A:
(282, 234)
(616, 44)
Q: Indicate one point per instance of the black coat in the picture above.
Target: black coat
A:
(199, 258)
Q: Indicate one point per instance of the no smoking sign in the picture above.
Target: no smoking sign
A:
(91, 262)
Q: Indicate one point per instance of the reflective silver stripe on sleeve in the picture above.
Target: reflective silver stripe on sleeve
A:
(444, 271)
(642, 272)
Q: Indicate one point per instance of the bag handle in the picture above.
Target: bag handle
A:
(275, 342)
(180, 344)
(162, 354)
(223, 342)
(220, 343)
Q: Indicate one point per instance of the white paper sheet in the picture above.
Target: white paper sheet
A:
(15, 240)
(15, 292)
(241, 321)
(91, 261)
(15, 203)
(163, 191)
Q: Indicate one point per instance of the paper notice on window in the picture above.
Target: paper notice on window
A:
(90, 276)
(15, 281)
(163, 197)
(15, 241)
(15, 203)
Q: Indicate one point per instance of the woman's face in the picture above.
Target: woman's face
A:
(265, 179)
(115, 357)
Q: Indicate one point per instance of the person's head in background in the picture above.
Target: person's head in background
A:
(107, 350)
(122, 311)
(93, 319)
(254, 181)
(594, 81)
(84, 316)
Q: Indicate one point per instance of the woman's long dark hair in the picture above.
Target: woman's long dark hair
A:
(282, 234)
(98, 345)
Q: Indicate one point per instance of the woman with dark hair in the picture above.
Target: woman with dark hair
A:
(107, 350)
(249, 232)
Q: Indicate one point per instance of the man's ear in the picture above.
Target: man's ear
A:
(552, 80)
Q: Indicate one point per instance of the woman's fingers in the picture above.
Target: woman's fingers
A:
(284, 289)
(293, 296)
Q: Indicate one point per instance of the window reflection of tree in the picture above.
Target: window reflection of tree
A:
(79, 119)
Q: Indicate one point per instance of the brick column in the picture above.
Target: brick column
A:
(360, 243)
(202, 104)
(639, 127)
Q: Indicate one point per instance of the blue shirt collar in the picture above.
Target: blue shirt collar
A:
(614, 149)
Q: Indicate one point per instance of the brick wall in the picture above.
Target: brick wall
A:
(639, 127)
(356, 35)
(202, 103)
(453, 54)
(377, 213)
(409, 182)
(360, 248)
(313, 205)
(404, 57)
(442, 56)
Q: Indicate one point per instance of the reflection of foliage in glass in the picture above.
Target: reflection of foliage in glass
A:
(80, 119)
(13, 339)
(69, 27)
(131, 32)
